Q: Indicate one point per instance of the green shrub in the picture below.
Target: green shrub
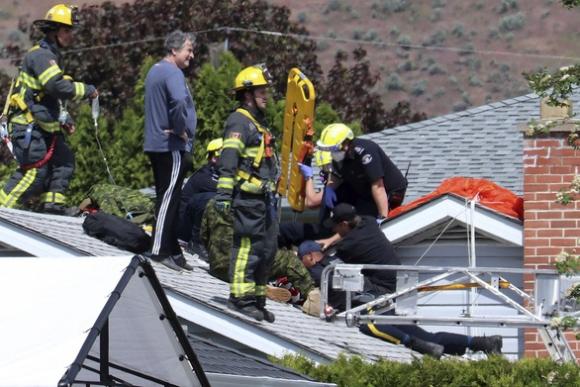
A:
(394, 82)
(493, 372)
(506, 6)
(419, 88)
(512, 22)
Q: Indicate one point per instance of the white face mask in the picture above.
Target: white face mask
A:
(338, 156)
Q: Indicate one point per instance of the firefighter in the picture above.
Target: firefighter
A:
(249, 171)
(38, 117)
(371, 181)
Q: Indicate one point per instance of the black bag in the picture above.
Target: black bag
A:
(117, 232)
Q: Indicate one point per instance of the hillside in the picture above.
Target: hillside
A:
(442, 55)
(463, 53)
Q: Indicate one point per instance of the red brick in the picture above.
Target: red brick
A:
(549, 233)
(549, 215)
(572, 233)
(549, 196)
(535, 346)
(571, 214)
(532, 188)
(548, 143)
(562, 242)
(562, 152)
(551, 161)
(549, 179)
(574, 161)
(537, 171)
(556, 187)
(560, 223)
(562, 170)
(537, 242)
(536, 152)
(548, 251)
(529, 251)
(535, 224)
(535, 205)
(531, 215)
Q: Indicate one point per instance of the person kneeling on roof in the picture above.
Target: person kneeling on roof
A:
(363, 242)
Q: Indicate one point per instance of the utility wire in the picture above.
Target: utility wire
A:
(463, 50)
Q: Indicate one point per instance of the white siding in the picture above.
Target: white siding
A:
(454, 303)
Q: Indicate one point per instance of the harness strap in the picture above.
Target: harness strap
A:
(40, 163)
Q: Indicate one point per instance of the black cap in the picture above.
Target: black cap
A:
(341, 212)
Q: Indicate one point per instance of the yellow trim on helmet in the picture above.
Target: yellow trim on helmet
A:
(250, 77)
(215, 145)
(333, 136)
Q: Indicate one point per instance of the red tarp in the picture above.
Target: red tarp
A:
(491, 195)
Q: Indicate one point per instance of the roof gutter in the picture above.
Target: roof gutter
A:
(237, 330)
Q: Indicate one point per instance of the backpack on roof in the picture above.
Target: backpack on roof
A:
(117, 231)
(123, 202)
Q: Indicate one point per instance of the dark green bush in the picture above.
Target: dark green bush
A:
(493, 372)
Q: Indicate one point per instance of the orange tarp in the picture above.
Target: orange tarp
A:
(490, 194)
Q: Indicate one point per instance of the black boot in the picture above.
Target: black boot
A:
(246, 305)
(489, 345)
(261, 304)
(426, 347)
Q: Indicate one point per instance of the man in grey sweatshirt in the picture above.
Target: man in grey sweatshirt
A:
(170, 122)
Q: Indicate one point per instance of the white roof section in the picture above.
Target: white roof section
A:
(56, 312)
(452, 207)
(201, 298)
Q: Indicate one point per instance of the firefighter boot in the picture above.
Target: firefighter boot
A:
(261, 304)
(489, 345)
(425, 347)
(246, 305)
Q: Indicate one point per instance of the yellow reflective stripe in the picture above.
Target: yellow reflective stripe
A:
(20, 119)
(48, 74)
(53, 197)
(239, 287)
(29, 81)
(234, 143)
(49, 126)
(12, 198)
(79, 90)
(226, 182)
(261, 129)
(375, 331)
(250, 152)
(260, 290)
(3, 197)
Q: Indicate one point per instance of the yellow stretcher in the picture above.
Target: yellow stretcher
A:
(297, 140)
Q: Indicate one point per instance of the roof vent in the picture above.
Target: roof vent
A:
(553, 113)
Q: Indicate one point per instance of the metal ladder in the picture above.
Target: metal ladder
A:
(545, 304)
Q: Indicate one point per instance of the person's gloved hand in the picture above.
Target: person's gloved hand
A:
(223, 206)
(305, 170)
(329, 197)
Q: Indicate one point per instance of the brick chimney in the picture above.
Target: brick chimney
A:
(550, 164)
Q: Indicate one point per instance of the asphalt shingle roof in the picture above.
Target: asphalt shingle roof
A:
(326, 339)
(218, 359)
(483, 142)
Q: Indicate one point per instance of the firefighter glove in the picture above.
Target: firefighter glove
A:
(329, 197)
(305, 170)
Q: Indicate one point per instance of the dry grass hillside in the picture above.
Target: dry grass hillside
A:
(442, 55)
(446, 55)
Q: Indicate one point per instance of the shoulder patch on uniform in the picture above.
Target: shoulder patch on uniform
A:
(359, 149)
(366, 159)
(236, 135)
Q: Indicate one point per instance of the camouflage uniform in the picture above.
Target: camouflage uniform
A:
(217, 237)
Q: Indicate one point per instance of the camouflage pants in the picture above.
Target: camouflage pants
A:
(217, 237)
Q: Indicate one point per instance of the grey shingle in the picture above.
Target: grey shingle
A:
(487, 138)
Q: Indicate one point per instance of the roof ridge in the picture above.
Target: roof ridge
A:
(456, 115)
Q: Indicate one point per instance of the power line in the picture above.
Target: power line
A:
(462, 50)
